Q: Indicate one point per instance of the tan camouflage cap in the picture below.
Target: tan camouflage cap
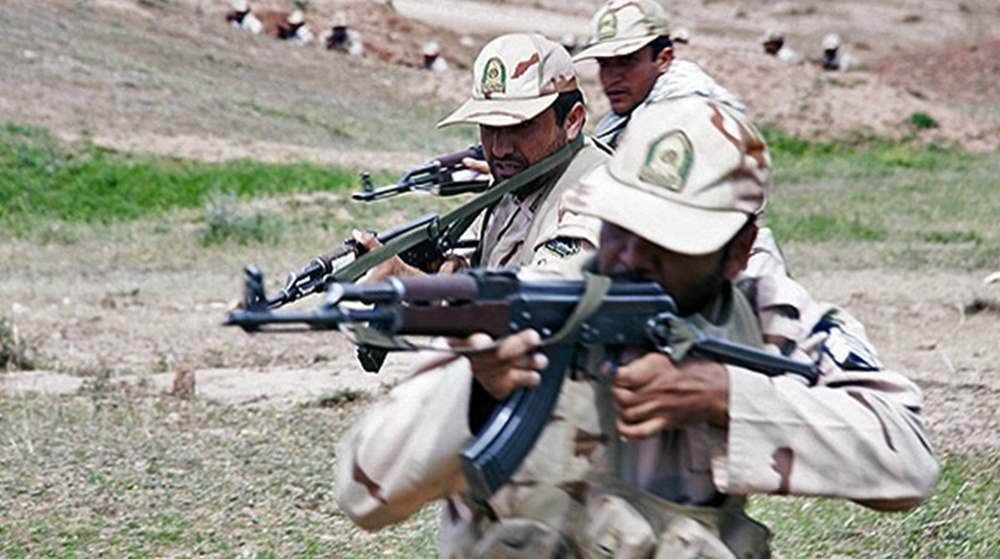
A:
(624, 26)
(515, 78)
(687, 175)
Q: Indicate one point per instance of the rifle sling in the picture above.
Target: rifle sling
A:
(449, 227)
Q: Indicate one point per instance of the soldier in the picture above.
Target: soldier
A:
(241, 16)
(774, 45)
(834, 58)
(631, 41)
(680, 36)
(433, 60)
(295, 29)
(341, 37)
(528, 106)
(656, 459)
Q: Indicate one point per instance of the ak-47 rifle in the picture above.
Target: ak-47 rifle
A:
(330, 266)
(440, 176)
(422, 242)
(570, 315)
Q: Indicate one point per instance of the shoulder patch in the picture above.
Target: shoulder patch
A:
(563, 248)
(846, 349)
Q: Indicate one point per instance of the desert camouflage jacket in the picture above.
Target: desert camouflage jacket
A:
(857, 434)
(682, 79)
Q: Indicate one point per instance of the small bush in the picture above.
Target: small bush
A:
(922, 121)
(225, 221)
(15, 353)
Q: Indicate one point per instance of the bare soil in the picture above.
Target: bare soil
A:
(170, 77)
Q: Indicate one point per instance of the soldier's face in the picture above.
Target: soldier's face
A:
(693, 281)
(628, 79)
(512, 149)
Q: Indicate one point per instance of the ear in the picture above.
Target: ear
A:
(664, 59)
(575, 120)
(739, 252)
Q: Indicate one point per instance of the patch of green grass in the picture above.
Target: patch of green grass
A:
(43, 181)
(920, 205)
(960, 519)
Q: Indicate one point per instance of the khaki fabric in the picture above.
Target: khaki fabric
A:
(538, 231)
(855, 435)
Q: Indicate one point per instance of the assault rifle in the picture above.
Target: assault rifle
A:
(442, 176)
(421, 243)
(334, 264)
(570, 315)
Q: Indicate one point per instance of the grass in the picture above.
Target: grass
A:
(960, 519)
(42, 180)
(913, 206)
(129, 476)
(115, 474)
(123, 474)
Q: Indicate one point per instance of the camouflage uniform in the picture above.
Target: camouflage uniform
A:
(516, 77)
(536, 230)
(622, 27)
(856, 434)
(682, 79)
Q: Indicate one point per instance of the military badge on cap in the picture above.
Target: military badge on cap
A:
(494, 77)
(607, 27)
(668, 161)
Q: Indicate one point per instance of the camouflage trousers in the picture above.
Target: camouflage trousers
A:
(603, 517)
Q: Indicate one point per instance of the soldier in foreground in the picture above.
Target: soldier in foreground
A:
(657, 457)
(630, 39)
(528, 107)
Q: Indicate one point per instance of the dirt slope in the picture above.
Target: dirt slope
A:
(169, 76)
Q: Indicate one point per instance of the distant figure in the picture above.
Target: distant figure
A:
(834, 58)
(681, 35)
(341, 37)
(241, 16)
(774, 45)
(295, 29)
(433, 60)
(569, 43)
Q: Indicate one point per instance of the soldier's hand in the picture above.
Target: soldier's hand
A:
(390, 267)
(652, 394)
(478, 165)
(511, 364)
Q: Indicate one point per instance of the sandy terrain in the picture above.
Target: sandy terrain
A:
(178, 81)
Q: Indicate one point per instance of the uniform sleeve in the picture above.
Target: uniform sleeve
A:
(404, 452)
(857, 434)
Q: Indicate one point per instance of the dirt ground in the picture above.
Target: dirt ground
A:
(106, 309)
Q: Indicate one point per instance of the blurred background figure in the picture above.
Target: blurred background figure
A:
(569, 43)
(433, 60)
(241, 16)
(341, 37)
(834, 57)
(295, 29)
(774, 45)
(681, 36)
